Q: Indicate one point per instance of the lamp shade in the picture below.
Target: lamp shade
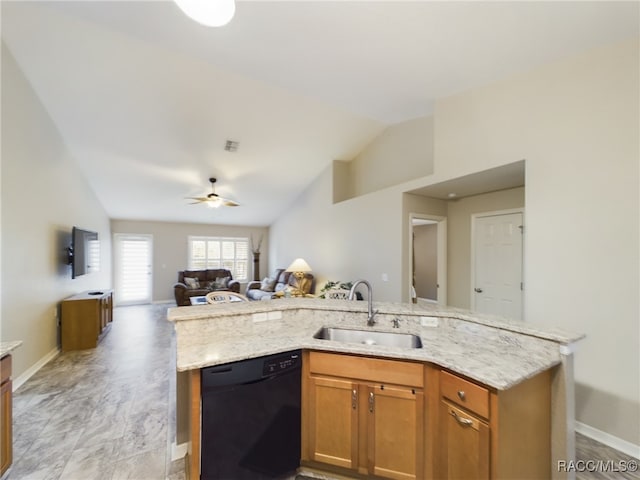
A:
(299, 265)
(211, 13)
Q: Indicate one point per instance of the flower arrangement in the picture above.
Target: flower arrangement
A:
(331, 285)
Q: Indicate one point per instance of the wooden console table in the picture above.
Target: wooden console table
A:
(84, 318)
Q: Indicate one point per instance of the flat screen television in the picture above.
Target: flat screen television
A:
(84, 253)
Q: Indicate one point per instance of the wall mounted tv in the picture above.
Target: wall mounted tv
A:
(84, 253)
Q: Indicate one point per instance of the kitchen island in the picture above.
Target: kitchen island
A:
(494, 354)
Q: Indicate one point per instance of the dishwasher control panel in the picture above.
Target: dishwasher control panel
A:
(281, 363)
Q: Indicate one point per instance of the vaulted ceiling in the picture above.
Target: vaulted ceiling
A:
(145, 98)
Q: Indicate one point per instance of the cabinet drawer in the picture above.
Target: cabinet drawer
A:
(466, 394)
(364, 368)
(5, 368)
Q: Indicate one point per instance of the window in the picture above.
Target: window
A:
(220, 252)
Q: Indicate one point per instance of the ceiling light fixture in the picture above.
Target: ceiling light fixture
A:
(211, 13)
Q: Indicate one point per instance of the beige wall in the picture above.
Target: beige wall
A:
(577, 124)
(170, 248)
(402, 152)
(43, 196)
(459, 238)
(353, 239)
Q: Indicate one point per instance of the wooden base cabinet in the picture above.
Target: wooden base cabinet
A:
(395, 431)
(487, 434)
(363, 415)
(6, 415)
(465, 442)
(84, 317)
(332, 414)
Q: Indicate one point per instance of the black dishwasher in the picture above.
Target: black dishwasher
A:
(251, 418)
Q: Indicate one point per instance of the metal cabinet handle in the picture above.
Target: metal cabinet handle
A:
(462, 421)
(354, 398)
(461, 395)
(371, 402)
(477, 290)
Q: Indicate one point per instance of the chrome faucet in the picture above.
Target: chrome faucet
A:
(371, 313)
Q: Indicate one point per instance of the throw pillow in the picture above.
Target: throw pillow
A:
(220, 283)
(192, 282)
(268, 284)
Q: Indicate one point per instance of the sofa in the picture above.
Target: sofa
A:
(197, 283)
(279, 282)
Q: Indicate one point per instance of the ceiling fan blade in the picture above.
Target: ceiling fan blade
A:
(213, 199)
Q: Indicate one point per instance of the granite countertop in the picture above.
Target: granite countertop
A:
(497, 352)
(8, 347)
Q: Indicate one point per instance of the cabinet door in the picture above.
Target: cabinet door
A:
(333, 422)
(395, 431)
(5, 427)
(464, 444)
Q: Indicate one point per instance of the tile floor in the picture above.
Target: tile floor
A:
(105, 413)
(109, 413)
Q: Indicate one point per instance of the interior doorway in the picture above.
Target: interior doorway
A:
(133, 268)
(428, 247)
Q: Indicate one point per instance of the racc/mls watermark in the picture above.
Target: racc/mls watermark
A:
(601, 466)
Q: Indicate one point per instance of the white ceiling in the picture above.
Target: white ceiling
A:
(145, 98)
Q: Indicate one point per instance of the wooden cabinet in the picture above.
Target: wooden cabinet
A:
(84, 317)
(333, 421)
(6, 418)
(465, 444)
(363, 415)
(487, 434)
(395, 431)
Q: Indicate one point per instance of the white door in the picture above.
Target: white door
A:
(133, 268)
(497, 273)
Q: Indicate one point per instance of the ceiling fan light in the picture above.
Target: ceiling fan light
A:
(214, 203)
(211, 13)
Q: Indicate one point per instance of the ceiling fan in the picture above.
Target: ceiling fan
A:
(213, 200)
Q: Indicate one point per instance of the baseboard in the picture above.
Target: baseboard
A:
(609, 440)
(31, 371)
(178, 451)
(160, 302)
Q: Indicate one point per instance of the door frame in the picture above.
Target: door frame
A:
(117, 264)
(472, 266)
(441, 233)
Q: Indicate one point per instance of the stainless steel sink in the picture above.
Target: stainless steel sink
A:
(367, 337)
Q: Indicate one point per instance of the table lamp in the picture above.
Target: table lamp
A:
(299, 267)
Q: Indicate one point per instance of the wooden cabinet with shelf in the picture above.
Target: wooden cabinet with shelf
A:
(364, 415)
(6, 415)
(84, 317)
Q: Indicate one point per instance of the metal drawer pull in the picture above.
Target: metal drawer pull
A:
(354, 398)
(461, 394)
(371, 402)
(460, 420)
